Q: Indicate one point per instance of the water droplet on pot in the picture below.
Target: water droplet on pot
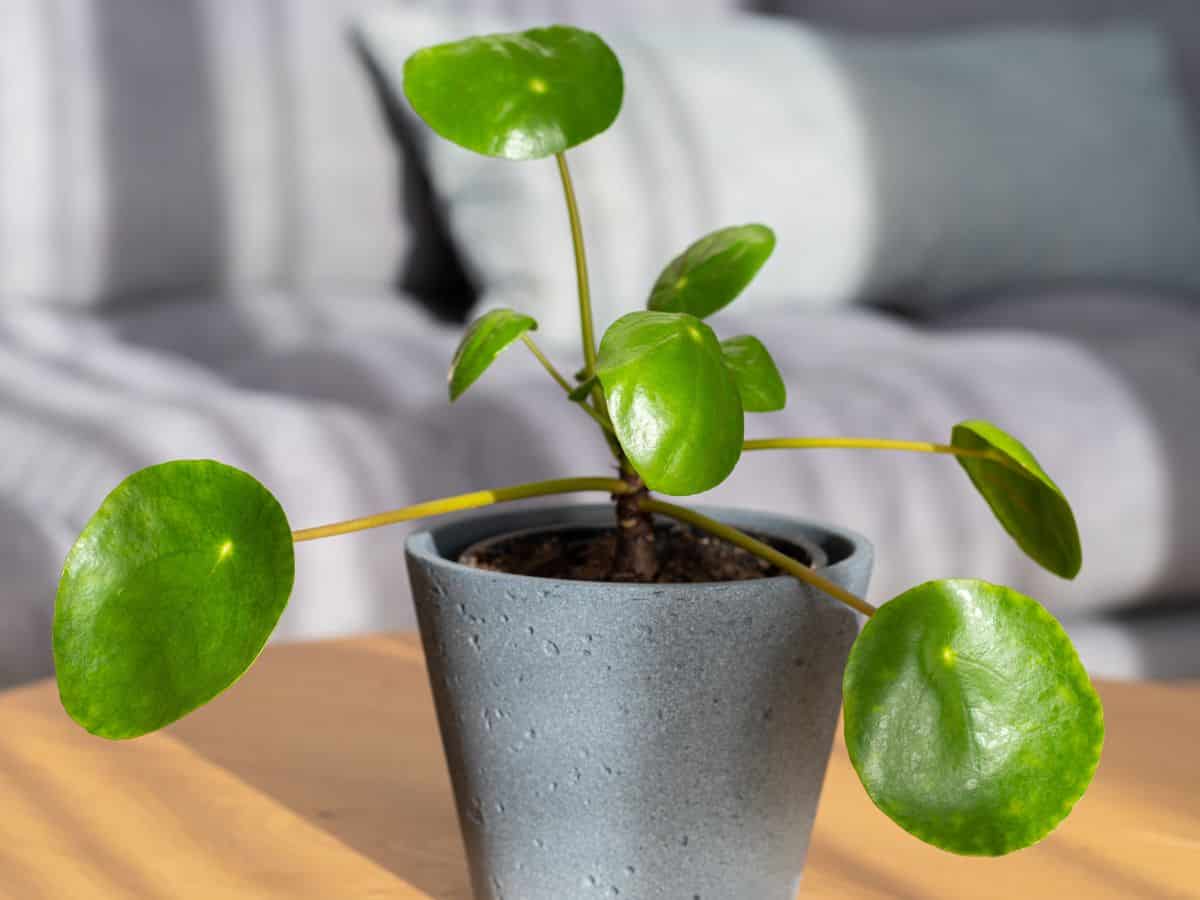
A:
(475, 642)
(530, 630)
(550, 648)
(539, 843)
(475, 813)
(531, 733)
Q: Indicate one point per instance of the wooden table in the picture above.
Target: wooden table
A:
(320, 775)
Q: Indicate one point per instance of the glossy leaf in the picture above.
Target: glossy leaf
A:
(518, 96)
(168, 595)
(1027, 502)
(713, 271)
(969, 717)
(674, 403)
(485, 339)
(758, 379)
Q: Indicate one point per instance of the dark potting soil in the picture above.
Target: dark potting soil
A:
(685, 555)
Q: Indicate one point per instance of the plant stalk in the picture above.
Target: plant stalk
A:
(587, 329)
(546, 364)
(764, 551)
(473, 500)
(868, 444)
(600, 420)
(636, 557)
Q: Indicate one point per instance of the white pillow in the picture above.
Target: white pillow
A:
(927, 167)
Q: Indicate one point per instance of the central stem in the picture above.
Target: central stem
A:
(636, 557)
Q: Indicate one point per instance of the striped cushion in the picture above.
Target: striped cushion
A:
(151, 147)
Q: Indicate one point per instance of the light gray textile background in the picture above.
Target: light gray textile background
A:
(338, 405)
(916, 170)
(151, 148)
(201, 214)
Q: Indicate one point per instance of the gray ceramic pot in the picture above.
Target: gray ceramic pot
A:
(641, 741)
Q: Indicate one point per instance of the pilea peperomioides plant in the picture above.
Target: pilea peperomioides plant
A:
(968, 715)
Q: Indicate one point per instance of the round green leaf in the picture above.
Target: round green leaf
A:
(1028, 504)
(168, 595)
(673, 401)
(969, 717)
(713, 271)
(517, 96)
(486, 337)
(754, 370)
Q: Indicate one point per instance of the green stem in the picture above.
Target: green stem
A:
(758, 548)
(581, 273)
(546, 364)
(458, 502)
(600, 420)
(868, 444)
(586, 328)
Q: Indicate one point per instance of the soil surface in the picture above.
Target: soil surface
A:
(685, 555)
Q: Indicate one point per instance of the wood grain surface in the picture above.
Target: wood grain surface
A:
(320, 775)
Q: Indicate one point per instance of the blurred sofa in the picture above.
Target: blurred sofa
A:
(220, 237)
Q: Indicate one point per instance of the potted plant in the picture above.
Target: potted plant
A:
(627, 705)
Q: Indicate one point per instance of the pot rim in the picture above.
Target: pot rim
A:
(423, 544)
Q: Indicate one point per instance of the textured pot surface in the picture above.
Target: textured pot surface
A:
(643, 741)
